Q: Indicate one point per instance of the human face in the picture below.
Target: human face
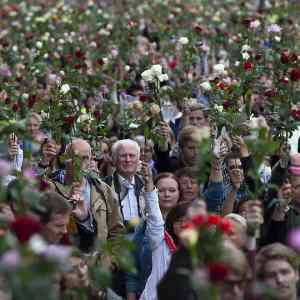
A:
(55, 229)
(234, 287)
(237, 234)
(83, 152)
(32, 126)
(146, 153)
(168, 193)
(189, 188)
(127, 161)
(295, 182)
(197, 118)
(190, 153)
(282, 277)
(235, 170)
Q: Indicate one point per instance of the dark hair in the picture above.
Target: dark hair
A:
(52, 203)
(187, 171)
(176, 213)
(230, 156)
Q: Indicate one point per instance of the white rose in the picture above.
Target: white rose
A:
(189, 237)
(147, 75)
(245, 55)
(254, 24)
(127, 68)
(277, 38)
(39, 44)
(206, 86)
(163, 77)
(246, 48)
(218, 108)
(37, 244)
(219, 69)
(156, 70)
(65, 88)
(183, 40)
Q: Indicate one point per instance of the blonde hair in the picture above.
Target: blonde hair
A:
(34, 115)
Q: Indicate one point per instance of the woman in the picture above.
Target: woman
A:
(36, 137)
(161, 241)
(168, 191)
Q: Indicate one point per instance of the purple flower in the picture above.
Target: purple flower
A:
(4, 168)
(11, 259)
(274, 28)
(5, 71)
(29, 174)
(294, 238)
(57, 252)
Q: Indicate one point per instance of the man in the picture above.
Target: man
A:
(97, 212)
(278, 267)
(125, 181)
(188, 143)
(54, 217)
(284, 209)
(189, 187)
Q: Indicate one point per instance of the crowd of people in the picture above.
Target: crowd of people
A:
(179, 204)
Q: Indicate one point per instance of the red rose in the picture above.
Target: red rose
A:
(100, 61)
(77, 66)
(226, 104)
(172, 63)
(16, 107)
(143, 98)
(79, 54)
(258, 56)
(69, 120)
(269, 93)
(285, 81)
(248, 65)
(294, 74)
(198, 220)
(221, 85)
(225, 226)
(295, 113)
(31, 101)
(198, 28)
(24, 227)
(284, 57)
(217, 271)
(214, 219)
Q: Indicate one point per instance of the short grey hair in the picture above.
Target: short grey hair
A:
(121, 143)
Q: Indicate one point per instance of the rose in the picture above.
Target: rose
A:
(219, 69)
(206, 86)
(248, 65)
(183, 40)
(274, 28)
(24, 227)
(65, 88)
(189, 237)
(163, 77)
(156, 70)
(147, 76)
(37, 244)
(294, 74)
(154, 109)
(217, 271)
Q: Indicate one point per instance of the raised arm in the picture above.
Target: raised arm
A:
(155, 222)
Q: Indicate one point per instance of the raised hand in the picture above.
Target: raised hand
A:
(149, 186)
(13, 147)
(49, 151)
